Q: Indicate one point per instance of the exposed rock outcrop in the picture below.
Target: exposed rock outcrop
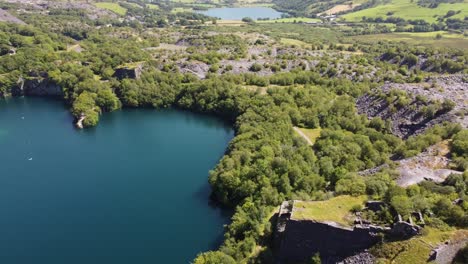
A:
(301, 239)
(7, 17)
(297, 240)
(408, 119)
(132, 71)
(37, 86)
(433, 164)
(361, 258)
(79, 122)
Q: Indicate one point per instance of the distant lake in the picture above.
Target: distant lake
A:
(237, 13)
(132, 190)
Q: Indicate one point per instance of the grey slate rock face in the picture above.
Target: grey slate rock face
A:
(302, 239)
(298, 240)
(37, 85)
(41, 87)
(129, 72)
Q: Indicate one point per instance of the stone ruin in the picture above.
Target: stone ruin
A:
(298, 239)
(129, 71)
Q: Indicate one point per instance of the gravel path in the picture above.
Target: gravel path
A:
(303, 135)
(447, 252)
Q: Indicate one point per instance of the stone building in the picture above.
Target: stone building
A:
(298, 239)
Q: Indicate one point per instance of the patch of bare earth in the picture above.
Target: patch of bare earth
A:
(7, 17)
(340, 8)
(432, 165)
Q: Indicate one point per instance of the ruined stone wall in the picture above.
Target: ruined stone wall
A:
(301, 239)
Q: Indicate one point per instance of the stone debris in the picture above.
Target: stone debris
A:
(432, 164)
(407, 121)
(5, 16)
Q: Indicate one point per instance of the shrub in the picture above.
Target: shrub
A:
(402, 205)
(214, 68)
(256, 67)
(247, 20)
(228, 67)
(354, 186)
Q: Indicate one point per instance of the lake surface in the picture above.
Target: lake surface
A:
(132, 190)
(237, 13)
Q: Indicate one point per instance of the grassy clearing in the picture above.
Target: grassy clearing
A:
(135, 5)
(417, 249)
(152, 6)
(181, 9)
(432, 35)
(408, 9)
(114, 7)
(421, 39)
(311, 133)
(290, 42)
(337, 209)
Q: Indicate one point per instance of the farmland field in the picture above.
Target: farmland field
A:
(424, 39)
(408, 9)
(114, 7)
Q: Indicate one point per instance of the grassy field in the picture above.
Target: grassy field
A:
(291, 20)
(337, 209)
(114, 7)
(311, 35)
(152, 6)
(290, 42)
(409, 9)
(181, 9)
(449, 40)
(311, 133)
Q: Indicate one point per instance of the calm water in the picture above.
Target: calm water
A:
(237, 13)
(132, 190)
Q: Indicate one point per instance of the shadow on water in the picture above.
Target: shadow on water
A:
(204, 194)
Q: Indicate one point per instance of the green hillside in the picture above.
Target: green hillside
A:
(114, 7)
(408, 9)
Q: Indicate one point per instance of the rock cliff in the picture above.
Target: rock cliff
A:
(37, 86)
(131, 71)
(421, 107)
(298, 240)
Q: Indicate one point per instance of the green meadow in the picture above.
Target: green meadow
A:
(408, 9)
(448, 40)
(114, 7)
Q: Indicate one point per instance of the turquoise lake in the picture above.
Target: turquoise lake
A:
(132, 190)
(237, 13)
